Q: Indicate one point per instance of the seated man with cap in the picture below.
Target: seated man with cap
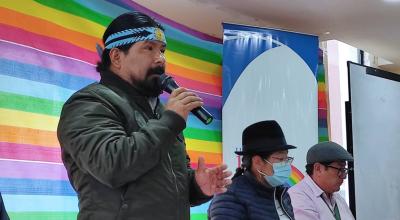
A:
(257, 191)
(316, 197)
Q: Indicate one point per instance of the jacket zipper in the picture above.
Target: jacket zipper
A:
(176, 186)
(283, 208)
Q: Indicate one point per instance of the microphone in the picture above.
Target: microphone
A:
(168, 84)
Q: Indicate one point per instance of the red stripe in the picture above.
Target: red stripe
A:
(30, 152)
(52, 45)
(322, 104)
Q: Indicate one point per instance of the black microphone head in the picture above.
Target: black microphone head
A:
(168, 83)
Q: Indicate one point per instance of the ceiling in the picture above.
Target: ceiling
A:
(370, 25)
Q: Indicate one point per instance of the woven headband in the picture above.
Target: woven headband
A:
(130, 36)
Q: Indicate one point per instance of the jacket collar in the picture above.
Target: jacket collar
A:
(317, 191)
(123, 88)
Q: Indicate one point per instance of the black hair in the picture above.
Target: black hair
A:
(125, 21)
(310, 167)
(246, 163)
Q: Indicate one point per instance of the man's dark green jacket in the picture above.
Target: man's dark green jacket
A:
(125, 160)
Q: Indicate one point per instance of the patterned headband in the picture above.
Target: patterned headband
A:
(130, 36)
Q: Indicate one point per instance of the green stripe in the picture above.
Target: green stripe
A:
(67, 216)
(30, 104)
(198, 217)
(323, 138)
(43, 215)
(201, 134)
(74, 8)
(321, 73)
(193, 51)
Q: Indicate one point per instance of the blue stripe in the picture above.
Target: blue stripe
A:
(194, 122)
(33, 89)
(40, 203)
(39, 74)
(200, 209)
(323, 132)
(102, 7)
(322, 123)
(36, 187)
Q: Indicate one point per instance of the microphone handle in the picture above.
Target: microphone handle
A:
(202, 114)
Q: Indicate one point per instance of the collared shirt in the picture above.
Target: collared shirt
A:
(308, 204)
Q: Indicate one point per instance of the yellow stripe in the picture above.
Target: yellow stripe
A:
(49, 123)
(321, 86)
(66, 20)
(28, 120)
(203, 146)
(193, 63)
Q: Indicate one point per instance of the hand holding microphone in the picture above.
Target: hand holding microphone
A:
(182, 101)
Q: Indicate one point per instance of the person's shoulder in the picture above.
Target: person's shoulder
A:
(299, 187)
(93, 91)
(238, 183)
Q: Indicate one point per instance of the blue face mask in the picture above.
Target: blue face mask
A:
(281, 174)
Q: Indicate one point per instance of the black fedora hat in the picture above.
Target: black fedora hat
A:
(263, 137)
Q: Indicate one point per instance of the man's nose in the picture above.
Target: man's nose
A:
(160, 58)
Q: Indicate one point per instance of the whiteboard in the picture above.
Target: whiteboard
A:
(375, 105)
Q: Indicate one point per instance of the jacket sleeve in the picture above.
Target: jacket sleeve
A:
(303, 207)
(91, 132)
(226, 207)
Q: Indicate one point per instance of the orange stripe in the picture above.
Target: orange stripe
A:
(43, 27)
(210, 158)
(193, 74)
(30, 136)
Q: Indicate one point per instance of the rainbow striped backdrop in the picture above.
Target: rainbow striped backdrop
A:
(322, 100)
(47, 52)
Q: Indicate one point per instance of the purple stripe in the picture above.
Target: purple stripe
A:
(61, 64)
(32, 170)
(209, 100)
(172, 23)
(30, 152)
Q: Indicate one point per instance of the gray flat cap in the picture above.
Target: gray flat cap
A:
(327, 152)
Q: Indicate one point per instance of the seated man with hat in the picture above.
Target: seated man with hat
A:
(316, 197)
(257, 191)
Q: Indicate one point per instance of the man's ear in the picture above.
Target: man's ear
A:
(115, 58)
(256, 161)
(317, 168)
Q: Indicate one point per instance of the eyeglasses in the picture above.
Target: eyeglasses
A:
(287, 160)
(342, 172)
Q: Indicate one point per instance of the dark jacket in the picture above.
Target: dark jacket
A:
(124, 160)
(246, 199)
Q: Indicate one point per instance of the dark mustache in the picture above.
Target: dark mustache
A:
(159, 70)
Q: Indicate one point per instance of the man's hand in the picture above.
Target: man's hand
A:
(212, 180)
(183, 101)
